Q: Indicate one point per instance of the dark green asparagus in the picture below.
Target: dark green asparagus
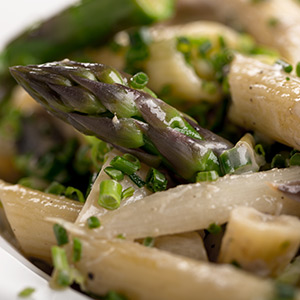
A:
(98, 100)
(88, 23)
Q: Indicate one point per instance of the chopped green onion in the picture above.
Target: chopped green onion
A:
(124, 165)
(236, 264)
(214, 228)
(137, 180)
(285, 66)
(27, 292)
(59, 258)
(298, 69)
(74, 194)
(55, 188)
(128, 192)
(273, 22)
(148, 241)
(139, 80)
(121, 236)
(114, 296)
(295, 160)
(93, 222)
(114, 173)
(132, 159)
(207, 176)
(156, 181)
(235, 160)
(222, 42)
(60, 234)
(204, 47)
(77, 248)
(110, 194)
(284, 291)
(278, 161)
(259, 149)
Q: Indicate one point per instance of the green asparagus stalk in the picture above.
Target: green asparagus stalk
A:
(98, 100)
(88, 23)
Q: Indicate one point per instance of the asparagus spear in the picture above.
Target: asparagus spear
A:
(98, 100)
(89, 23)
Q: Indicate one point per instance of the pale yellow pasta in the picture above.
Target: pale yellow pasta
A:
(195, 206)
(258, 242)
(143, 273)
(274, 23)
(26, 210)
(264, 100)
(189, 244)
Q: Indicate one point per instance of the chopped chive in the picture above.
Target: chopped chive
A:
(207, 176)
(204, 48)
(112, 295)
(77, 248)
(156, 181)
(259, 149)
(287, 78)
(285, 66)
(110, 194)
(235, 160)
(273, 22)
(284, 291)
(222, 42)
(132, 159)
(298, 69)
(214, 228)
(60, 234)
(121, 236)
(74, 194)
(139, 80)
(128, 192)
(55, 188)
(62, 270)
(236, 264)
(93, 222)
(27, 292)
(124, 165)
(137, 180)
(148, 241)
(278, 161)
(209, 87)
(295, 160)
(114, 173)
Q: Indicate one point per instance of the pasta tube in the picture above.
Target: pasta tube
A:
(196, 206)
(263, 99)
(260, 243)
(187, 244)
(274, 23)
(26, 210)
(143, 273)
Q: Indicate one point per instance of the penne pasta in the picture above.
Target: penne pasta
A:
(274, 23)
(26, 210)
(189, 244)
(260, 243)
(143, 273)
(196, 206)
(264, 100)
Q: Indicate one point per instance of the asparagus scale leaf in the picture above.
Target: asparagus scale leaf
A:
(97, 100)
(88, 23)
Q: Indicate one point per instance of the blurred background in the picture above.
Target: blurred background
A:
(17, 14)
